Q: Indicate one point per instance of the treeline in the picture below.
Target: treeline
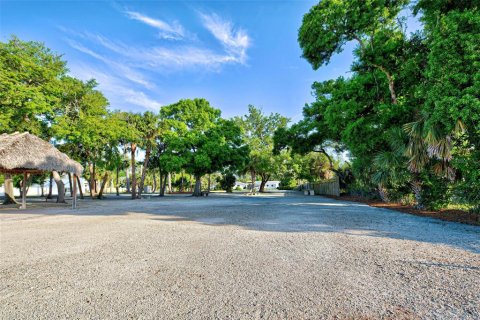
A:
(187, 140)
(409, 114)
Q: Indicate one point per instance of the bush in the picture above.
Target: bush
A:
(468, 188)
(227, 182)
(360, 190)
(435, 192)
(287, 184)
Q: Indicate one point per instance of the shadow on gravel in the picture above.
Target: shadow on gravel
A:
(275, 212)
(443, 265)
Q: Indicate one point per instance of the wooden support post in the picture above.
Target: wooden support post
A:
(24, 191)
(74, 201)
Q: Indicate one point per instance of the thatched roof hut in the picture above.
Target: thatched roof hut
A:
(25, 153)
(20, 152)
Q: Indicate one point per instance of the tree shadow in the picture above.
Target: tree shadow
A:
(290, 212)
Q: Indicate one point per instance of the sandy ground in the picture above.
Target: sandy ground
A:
(281, 256)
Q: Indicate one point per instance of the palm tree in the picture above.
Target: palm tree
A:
(389, 166)
(429, 148)
(149, 131)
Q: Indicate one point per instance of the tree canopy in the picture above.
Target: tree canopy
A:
(201, 140)
(408, 112)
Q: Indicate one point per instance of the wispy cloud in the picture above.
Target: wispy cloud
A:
(118, 91)
(160, 58)
(117, 67)
(235, 41)
(174, 31)
(124, 70)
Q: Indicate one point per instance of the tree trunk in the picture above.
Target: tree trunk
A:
(60, 187)
(161, 192)
(50, 186)
(197, 191)
(24, 191)
(154, 182)
(127, 180)
(80, 187)
(144, 171)
(391, 81)
(70, 184)
(102, 187)
(163, 185)
(117, 187)
(25, 188)
(21, 183)
(133, 149)
(29, 182)
(209, 183)
(91, 182)
(169, 182)
(253, 175)
(9, 191)
(263, 182)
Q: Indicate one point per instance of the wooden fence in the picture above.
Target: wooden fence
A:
(330, 187)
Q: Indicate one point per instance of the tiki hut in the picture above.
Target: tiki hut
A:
(24, 153)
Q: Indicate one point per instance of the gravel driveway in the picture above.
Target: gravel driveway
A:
(278, 256)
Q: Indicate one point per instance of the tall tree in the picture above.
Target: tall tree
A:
(450, 117)
(131, 136)
(332, 23)
(149, 129)
(30, 89)
(85, 126)
(258, 130)
(202, 141)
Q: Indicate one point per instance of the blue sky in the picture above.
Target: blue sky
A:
(146, 54)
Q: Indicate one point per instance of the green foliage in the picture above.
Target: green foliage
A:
(30, 86)
(409, 113)
(287, 183)
(199, 140)
(258, 130)
(332, 23)
(182, 182)
(436, 193)
(227, 181)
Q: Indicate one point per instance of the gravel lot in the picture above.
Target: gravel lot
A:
(279, 256)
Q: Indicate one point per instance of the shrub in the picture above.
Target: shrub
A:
(435, 192)
(227, 182)
(287, 184)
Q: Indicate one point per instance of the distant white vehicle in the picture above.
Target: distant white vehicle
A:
(271, 184)
(242, 185)
(268, 185)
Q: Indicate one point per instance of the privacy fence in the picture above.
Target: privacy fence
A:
(329, 187)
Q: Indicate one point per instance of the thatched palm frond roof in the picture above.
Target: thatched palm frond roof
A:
(26, 151)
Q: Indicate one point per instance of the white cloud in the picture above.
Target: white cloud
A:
(119, 93)
(182, 57)
(235, 41)
(172, 31)
(158, 58)
(170, 56)
(125, 69)
(141, 99)
(117, 67)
